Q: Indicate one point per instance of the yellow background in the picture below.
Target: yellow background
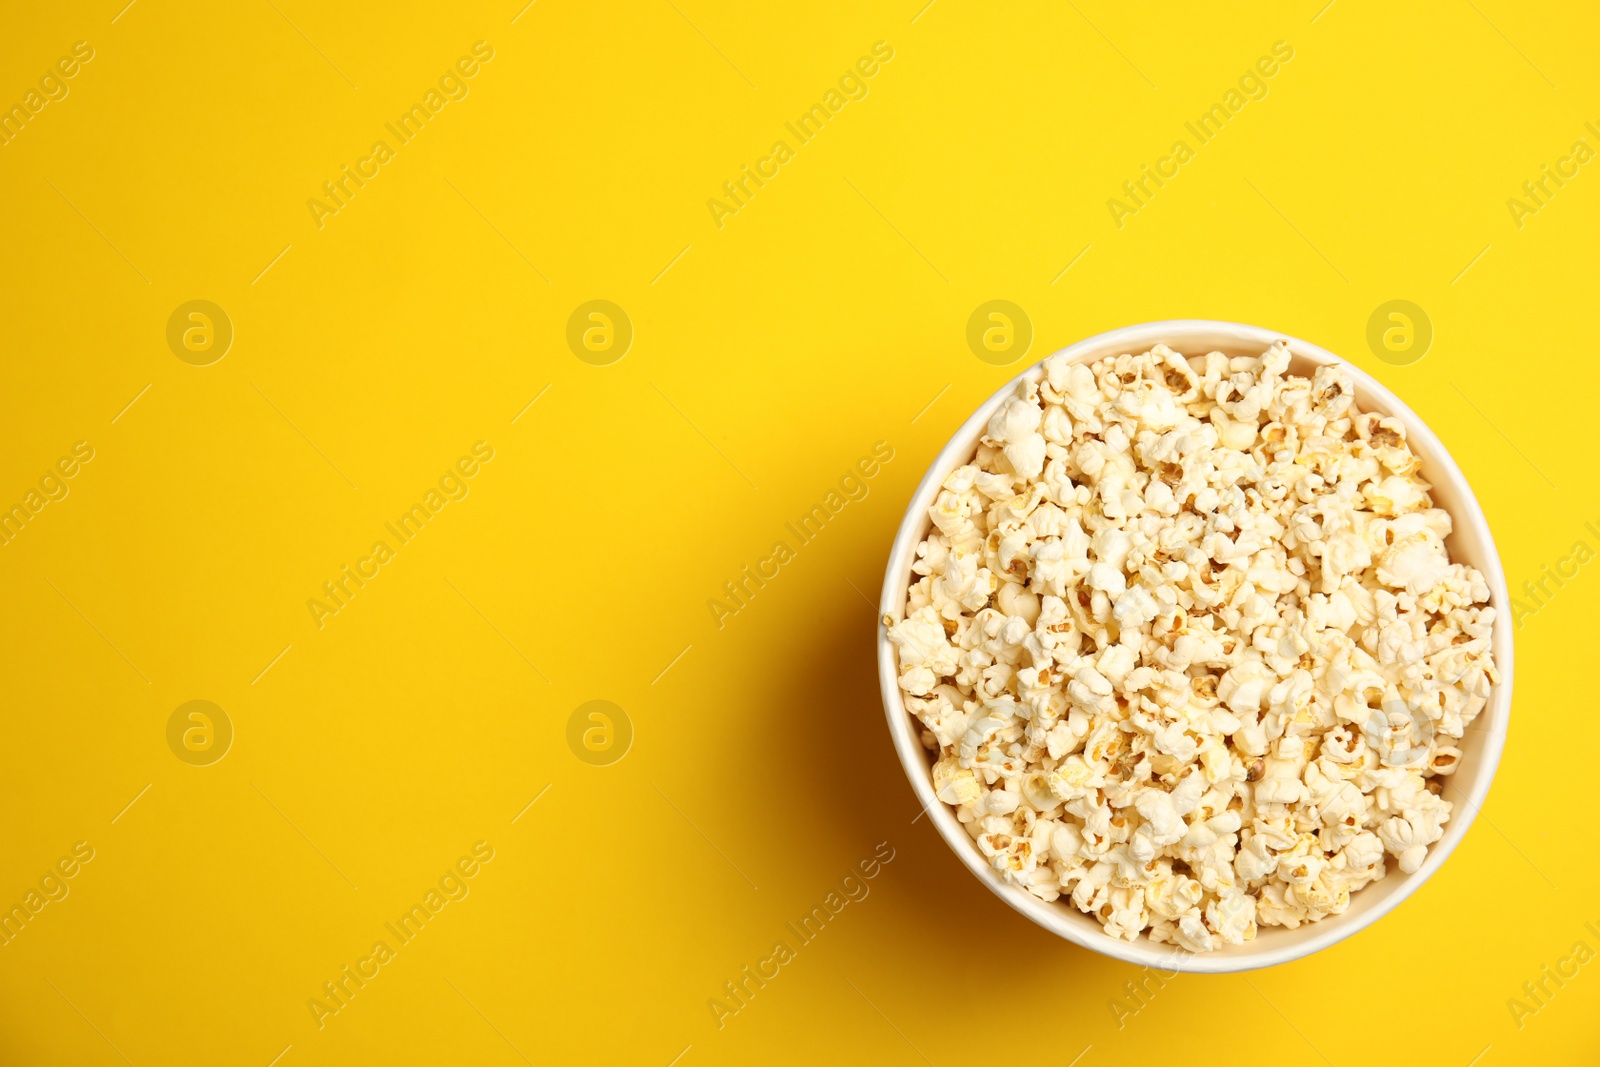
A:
(823, 317)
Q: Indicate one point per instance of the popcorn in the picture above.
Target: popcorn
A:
(1189, 644)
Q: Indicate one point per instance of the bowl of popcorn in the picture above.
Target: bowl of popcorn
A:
(1194, 647)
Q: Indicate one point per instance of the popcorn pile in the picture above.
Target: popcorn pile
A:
(1190, 647)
